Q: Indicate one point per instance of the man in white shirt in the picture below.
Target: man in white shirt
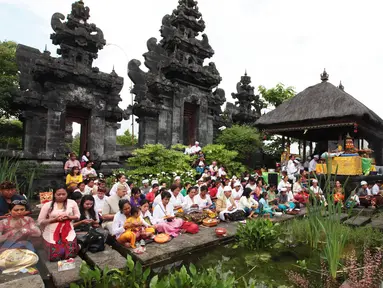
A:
(375, 188)
(292, 168)
(195, 149)
(313, 163)
(99, 200)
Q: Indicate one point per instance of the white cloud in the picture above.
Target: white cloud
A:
(275, 40)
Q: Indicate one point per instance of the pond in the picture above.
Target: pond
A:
(267, 267)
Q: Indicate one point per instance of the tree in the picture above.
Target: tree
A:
(126, 140)
(8, 78)
(11, 133)
(75, 145)
(274, 97)
(277, 95)
(245, 140)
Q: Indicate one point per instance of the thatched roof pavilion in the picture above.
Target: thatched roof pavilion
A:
(324, 112)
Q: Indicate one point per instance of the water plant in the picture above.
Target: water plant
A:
(258, 234)
(134, 276)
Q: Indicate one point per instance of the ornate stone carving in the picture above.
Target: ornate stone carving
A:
(243, 112)
(176, 70)
(54, 85)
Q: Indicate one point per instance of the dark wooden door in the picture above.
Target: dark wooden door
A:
(190, 123)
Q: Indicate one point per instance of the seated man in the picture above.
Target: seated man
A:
(8, 195)
(226, 204)
(364, 194)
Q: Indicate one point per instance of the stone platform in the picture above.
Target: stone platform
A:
(160, 254)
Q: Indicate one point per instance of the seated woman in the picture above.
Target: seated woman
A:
(17, 229)
(338, 193)
(121, 180)
(135, 198)
(248, 204)
(272, 199)
(73, 178)
(80, 188)
(118, 226)
(203, 199)
(147, 218)
(299, 192)
(190, 201)
(177, 198)
(56, 221)
(163, 217)
(111, 207)
(158, 200)
(226, 204)
(283, 183)
(264, 206)
(76, 196)
(284, 204)
(88, 171)
(88, 216)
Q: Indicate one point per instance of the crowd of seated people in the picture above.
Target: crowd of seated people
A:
(133, 214)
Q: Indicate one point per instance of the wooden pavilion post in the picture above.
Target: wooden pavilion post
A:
(299, 147)
(283, 143)
(311, 148)
(304, 151)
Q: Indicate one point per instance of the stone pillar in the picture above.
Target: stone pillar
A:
(177, 120)
(202, 126)
(148, 130)
(35, 128)
(210, 129)
(96, 132)
(68, 134)
(110, 139)
(55, 144)
(165, 128)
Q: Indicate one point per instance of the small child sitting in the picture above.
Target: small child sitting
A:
(133, 228)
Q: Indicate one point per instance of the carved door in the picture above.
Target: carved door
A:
(190, 121)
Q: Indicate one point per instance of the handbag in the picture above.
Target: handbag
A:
(93, 241)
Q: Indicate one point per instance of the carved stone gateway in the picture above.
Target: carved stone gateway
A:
(175, 102)
(58, 91)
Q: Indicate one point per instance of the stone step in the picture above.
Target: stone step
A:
(108, 258)
(343, 217)
(358, 221)
(21, 281)
(61, 279)
(361, 211)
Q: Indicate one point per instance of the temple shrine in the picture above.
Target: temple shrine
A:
(175, 101)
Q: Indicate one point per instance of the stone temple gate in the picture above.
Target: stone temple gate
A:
(58, 91)
(175, 102)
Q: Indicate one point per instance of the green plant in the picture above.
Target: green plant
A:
(156, 160)
(219, 153)
(245, 140)
(257, 234)
(131, 276)
(22, 173)
(366, 236)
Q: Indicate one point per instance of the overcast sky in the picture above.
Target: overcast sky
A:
(275, 40)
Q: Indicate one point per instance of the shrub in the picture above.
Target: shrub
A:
(245, 140)
(224, 157)
(257, 234)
